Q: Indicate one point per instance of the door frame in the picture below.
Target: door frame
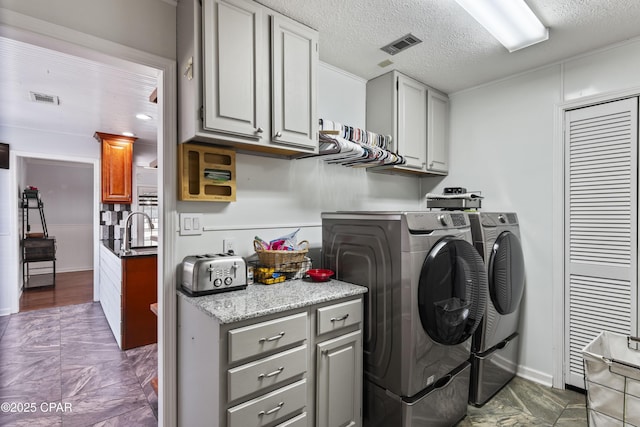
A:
(15, 157)
(558, 223)
(27, 29)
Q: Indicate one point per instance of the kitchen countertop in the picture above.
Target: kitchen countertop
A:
(260, 300)
(114, 246)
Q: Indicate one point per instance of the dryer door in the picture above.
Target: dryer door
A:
(506, 273)
(452, 291)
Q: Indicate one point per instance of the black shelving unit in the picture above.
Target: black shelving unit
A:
(38, 249)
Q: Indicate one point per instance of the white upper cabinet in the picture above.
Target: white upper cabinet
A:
(417, 118)
(412, 121)
(294, 62)
(233, 68)
(438, 132)
(247, 77)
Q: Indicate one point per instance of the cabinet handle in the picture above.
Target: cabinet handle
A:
(188, 71)
(278, 134)
(271, 374)
(259, 130)
(271, 411)
(273, 338)
(340, 319)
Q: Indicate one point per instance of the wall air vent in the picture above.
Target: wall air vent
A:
(401, 44)
(44, 98)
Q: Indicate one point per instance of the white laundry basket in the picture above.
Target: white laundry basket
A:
(612, 379)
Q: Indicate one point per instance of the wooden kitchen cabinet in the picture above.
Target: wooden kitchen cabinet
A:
(139, 291)
(128, 286)
(238, 89)
(116, 167)
(416, 116)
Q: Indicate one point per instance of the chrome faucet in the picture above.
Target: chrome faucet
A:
(126, 244)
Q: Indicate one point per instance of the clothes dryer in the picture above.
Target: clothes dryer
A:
(494, 358)
(427, 293)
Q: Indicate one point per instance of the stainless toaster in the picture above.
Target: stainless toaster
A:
(211, 273)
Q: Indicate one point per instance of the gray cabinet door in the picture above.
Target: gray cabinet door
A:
(294, 62)
(233, 67)
(339, 381)
(437, 132)
(412, 122)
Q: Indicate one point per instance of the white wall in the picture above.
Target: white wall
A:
(506, 142)
(275, 196)
(66, 189)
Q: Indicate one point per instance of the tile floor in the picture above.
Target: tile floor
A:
(524, 403)
(68, 356)
(65, 358)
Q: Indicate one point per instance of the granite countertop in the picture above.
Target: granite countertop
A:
(114, 246)
(260, 300)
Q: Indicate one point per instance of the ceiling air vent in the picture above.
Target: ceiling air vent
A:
(401, 44)
(44, 98)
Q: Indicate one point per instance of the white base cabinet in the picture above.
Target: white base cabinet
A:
(111, 291)
(292, 369)
(417, 118)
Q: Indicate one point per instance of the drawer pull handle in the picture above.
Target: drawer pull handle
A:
(271, 411)
(340, 319)
(271, 374)
(273, 338)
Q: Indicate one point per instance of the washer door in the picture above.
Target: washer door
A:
(452, 291)
(506, 273)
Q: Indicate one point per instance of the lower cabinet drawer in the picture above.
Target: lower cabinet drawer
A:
(339, 316)
(265, 372)
(299, 421)
(269, 408)
(266, 336)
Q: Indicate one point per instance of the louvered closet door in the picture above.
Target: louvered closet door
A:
(601, 226)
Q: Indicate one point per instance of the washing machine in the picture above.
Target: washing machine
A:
(494, 358)
(427, 292)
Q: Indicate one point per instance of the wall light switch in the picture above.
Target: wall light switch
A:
(190, 224)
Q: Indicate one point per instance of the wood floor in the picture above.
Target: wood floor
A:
(71, 288)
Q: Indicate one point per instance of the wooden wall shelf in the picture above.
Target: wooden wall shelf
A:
(206, 173)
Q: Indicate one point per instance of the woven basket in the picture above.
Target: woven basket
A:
(282, 260)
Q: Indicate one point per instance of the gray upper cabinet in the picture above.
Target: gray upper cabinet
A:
(233, 68)
(417, 118)
(437, 132)
(412, 121)
(247, 77)
(294, 62)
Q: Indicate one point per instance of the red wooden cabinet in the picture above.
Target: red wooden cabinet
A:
(139, 291)
(116, 167)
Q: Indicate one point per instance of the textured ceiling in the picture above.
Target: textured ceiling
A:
(456, 52)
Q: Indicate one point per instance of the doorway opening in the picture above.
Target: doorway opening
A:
(60, 212)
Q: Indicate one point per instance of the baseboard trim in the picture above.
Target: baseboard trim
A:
(535, 376)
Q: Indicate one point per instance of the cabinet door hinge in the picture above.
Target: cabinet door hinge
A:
(202, 113)
(397, 84)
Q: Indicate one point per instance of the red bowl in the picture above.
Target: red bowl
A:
(319, 274)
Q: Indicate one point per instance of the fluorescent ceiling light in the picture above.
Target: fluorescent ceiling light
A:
(143, 116)
(509, 21)
(128, 134)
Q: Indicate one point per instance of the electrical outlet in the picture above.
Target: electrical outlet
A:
(228, 245)
(190, 224)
